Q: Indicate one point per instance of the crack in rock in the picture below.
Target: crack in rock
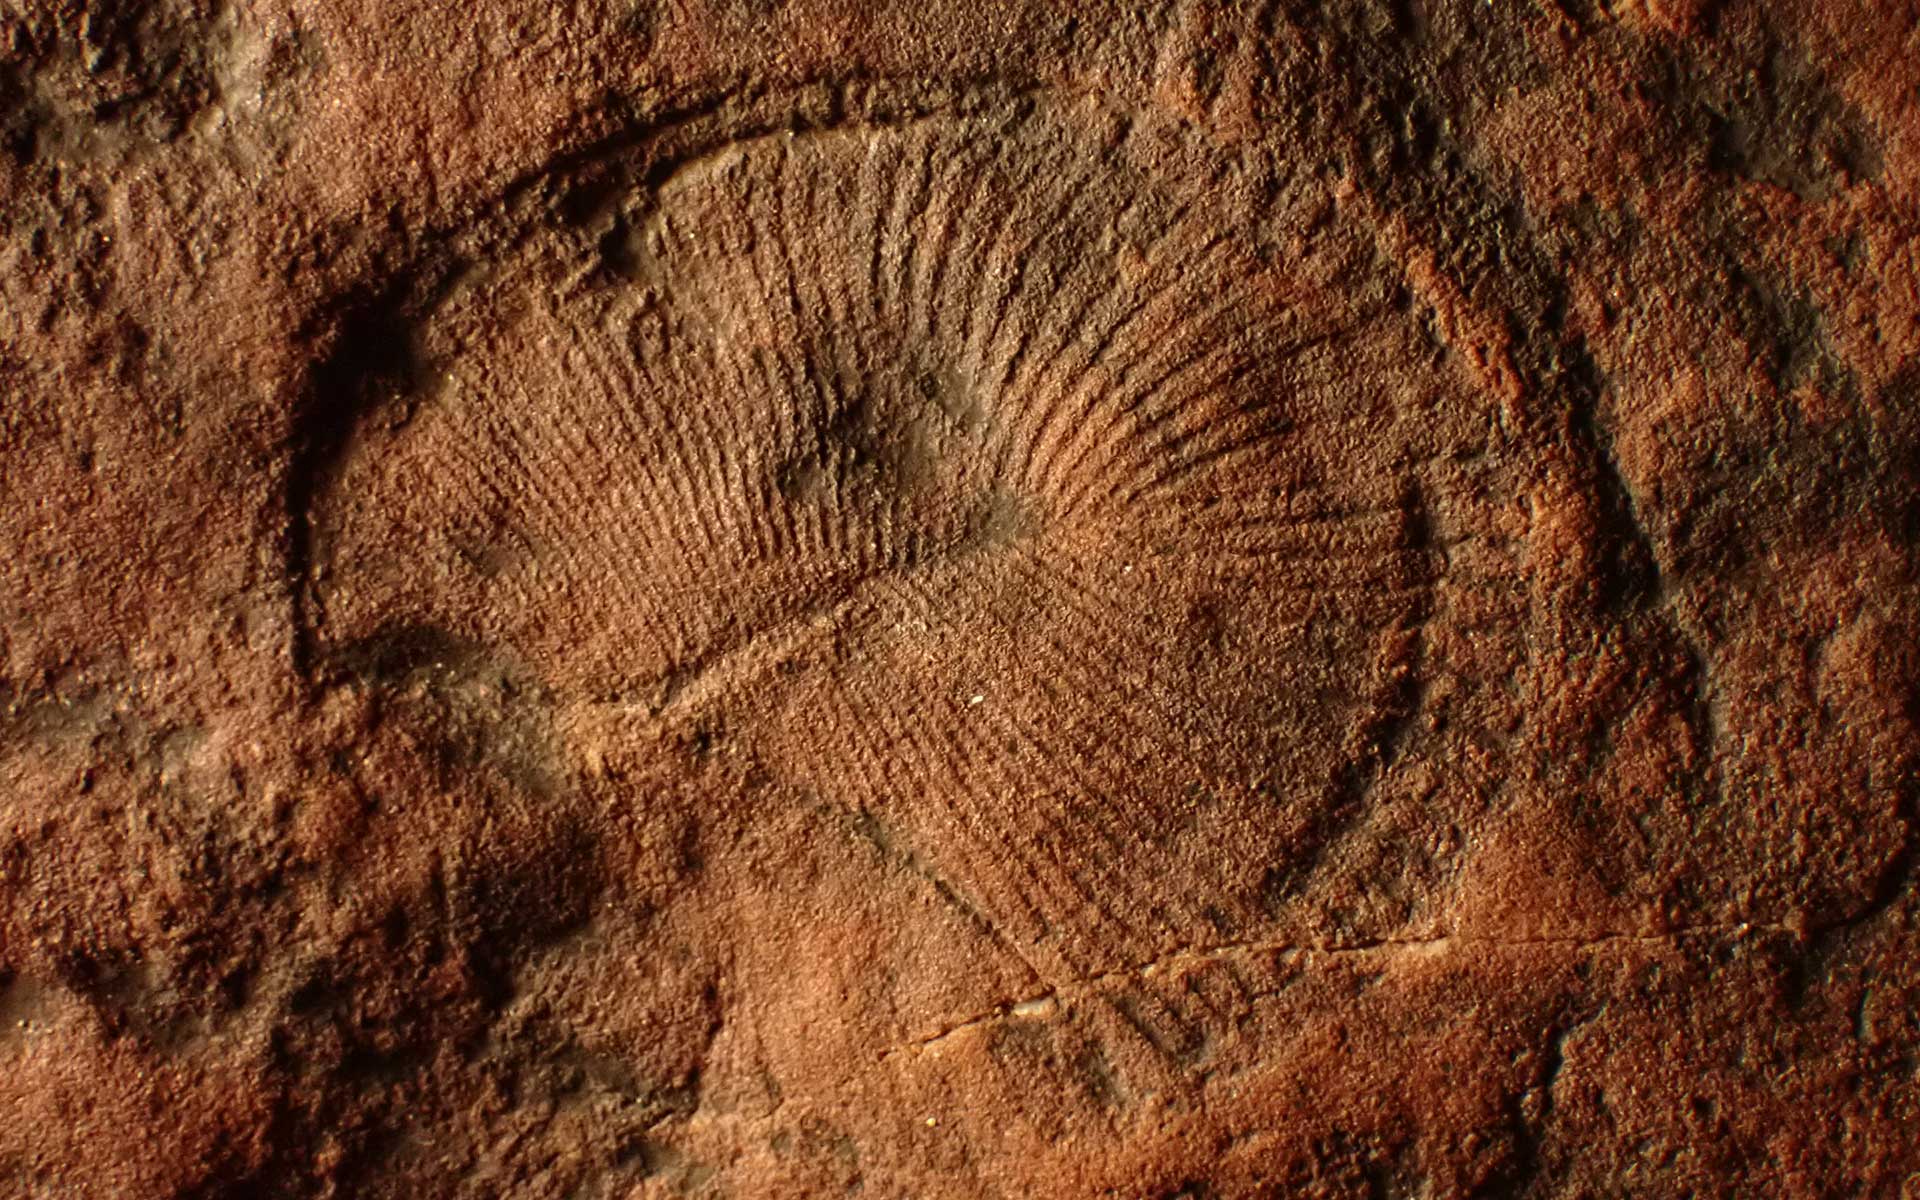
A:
(1046, 1003)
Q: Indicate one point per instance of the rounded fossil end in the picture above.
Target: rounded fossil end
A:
(977, 469)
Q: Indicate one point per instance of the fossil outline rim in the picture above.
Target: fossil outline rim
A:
(1412, 578)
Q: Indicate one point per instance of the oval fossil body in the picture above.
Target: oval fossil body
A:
(972, 470)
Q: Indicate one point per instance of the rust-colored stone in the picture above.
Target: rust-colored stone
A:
(798, 598)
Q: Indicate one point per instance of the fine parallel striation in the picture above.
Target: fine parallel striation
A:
(907, 448)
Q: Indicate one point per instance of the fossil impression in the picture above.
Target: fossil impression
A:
(955, 467)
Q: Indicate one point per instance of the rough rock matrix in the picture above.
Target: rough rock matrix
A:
(791, 598)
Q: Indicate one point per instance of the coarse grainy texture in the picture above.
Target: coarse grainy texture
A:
(781, 598)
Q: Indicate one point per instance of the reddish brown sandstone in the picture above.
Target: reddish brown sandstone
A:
(784, 598)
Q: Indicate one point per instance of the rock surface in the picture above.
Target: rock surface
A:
(755, 598)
